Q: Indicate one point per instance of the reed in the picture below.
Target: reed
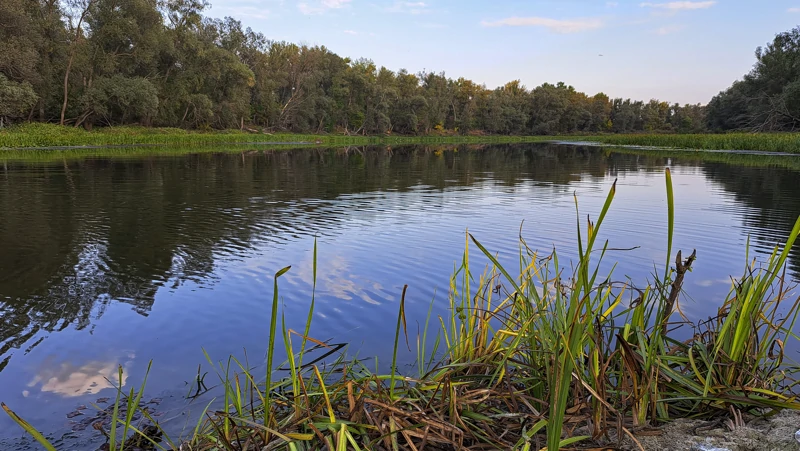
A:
(39, 135)
(542, 357)
(769, 142)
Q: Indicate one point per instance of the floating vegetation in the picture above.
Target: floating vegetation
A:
(38, 135)
(768, 142)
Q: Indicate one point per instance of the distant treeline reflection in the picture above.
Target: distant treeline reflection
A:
(77, 235)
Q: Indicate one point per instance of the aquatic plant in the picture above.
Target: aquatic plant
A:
(37, 135)
(770, 142)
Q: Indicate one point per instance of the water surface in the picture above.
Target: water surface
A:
(107, 262)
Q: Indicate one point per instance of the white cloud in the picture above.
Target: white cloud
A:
(669, 29)
(358, 33)
(242, 8)
(321, 6)
(334, 3)
(612, 4)
(680, 6)
(409, 7)
(793, 10)
(554, 25)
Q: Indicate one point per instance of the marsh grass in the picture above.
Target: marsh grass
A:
(40, 135)
(731, 158)
(541, 357)
(769, 142)
(37, 135)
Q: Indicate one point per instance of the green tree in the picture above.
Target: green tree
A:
(768, 98)
(16, 99)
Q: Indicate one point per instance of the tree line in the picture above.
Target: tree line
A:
(163, 63)
(767, 98)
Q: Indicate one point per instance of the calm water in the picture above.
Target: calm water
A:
(108, 262)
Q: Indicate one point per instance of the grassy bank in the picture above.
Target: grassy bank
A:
(550, 354)
(39, 156)
(59, 156)
(730, 158)
(766, 142)
(49, 135)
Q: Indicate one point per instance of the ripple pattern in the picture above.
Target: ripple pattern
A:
(101, 260)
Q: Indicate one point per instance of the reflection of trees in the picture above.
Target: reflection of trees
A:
(773, 192)
(77, 235)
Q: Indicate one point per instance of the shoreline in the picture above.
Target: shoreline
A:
(53, 137)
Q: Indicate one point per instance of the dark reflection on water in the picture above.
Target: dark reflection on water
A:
(106, 262)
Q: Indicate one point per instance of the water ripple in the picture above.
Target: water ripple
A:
(157, 260)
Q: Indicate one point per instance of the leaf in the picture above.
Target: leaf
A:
(298, 436)
(29, 428)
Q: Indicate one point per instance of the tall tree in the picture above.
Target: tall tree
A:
(163, 62)
(78, 9)
(768, 98)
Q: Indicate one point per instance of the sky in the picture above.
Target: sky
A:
(676, 51)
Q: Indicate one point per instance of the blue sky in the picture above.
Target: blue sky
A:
(679, 51)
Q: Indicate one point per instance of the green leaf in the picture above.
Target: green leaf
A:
(29, 429)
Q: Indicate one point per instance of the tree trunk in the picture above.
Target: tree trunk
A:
(66, 86)
(73, 49)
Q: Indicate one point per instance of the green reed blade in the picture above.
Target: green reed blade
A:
(28, 428)
(670, 220)
(401, 321)
(271, 346)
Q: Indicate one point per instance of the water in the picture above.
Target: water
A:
(116, 262)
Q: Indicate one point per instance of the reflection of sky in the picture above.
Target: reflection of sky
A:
(370, 245)
(67, 379)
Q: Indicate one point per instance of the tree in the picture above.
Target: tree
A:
(163, 62)
(768, 98)
(79, 8)
(16, 99)
(118, 99)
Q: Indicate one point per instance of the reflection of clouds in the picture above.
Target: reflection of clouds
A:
(335, 279)
(69, 380)
(710, 282)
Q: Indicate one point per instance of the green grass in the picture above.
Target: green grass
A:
(36, 156)
(767, 142)
(737, 159)
(49, 135)
(524, 353)
(38, 135)
(50, 156)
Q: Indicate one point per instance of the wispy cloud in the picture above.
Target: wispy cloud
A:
(244, 8)
(321, 6)
(358, 33)
(793, 10)
(668, 29)
(431, 25)
(679, 6)
(612, 4)
(554, 25)
(409, 7)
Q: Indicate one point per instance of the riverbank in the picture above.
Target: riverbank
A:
(522, 359)
(38, 156)
(763, 142)
(36, 136)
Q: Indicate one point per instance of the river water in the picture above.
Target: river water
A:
(119, 261)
